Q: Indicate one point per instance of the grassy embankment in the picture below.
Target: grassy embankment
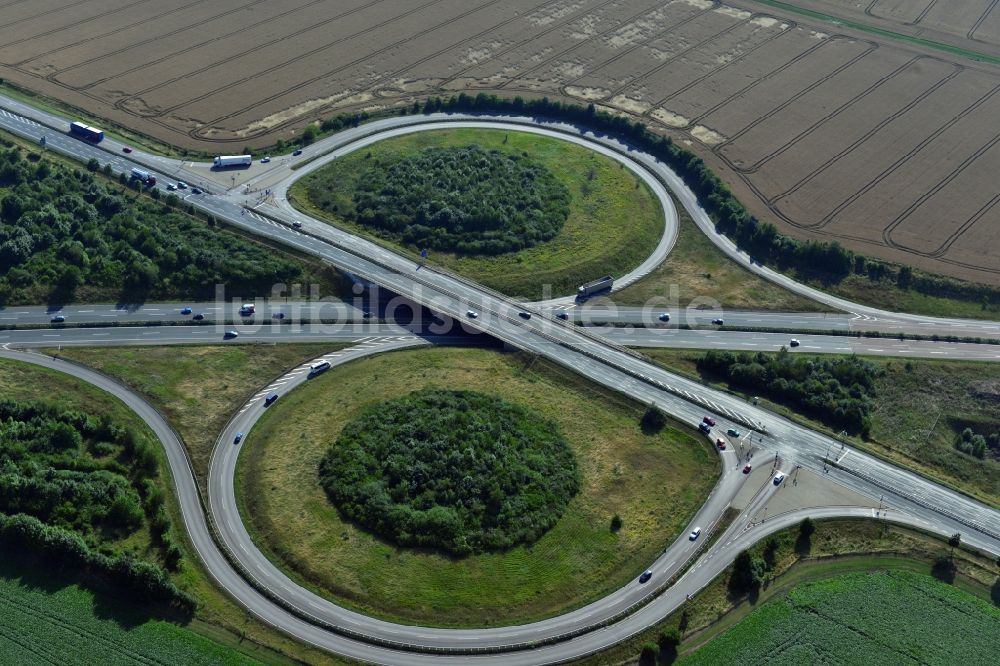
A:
(654, 482)
(837, 548)
(921, 406)
(700, 270)
(216, 618)
(613, 225)
(198, 389)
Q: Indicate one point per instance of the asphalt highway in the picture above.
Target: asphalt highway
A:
(915, 500)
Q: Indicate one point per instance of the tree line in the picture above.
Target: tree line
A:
(459, 471)
(62, 229)
(838, 392)
(72, 484)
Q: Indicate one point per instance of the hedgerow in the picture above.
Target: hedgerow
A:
(457, 471)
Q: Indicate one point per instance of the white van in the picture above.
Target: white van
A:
(318, 367)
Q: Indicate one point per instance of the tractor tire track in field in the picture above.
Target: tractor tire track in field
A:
(845, 106)
(172, 54)
(680, 91)
(801, 93)
(61, 28)
(196, 133)
(556, 25)
(926, 196)
(975, 26)
(623, 52)
(143, 21)
(160, 84)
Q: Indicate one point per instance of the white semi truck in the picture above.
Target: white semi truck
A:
(597, 286)
(224, 161)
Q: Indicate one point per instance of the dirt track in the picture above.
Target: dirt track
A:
(889, 149)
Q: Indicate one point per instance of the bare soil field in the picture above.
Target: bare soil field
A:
(881, 142)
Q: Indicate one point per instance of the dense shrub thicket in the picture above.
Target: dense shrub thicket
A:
(826, 261)
(838, 392)
(72, 482)
(61, 229)
(461, 199)
(976, 444)
(458, 471)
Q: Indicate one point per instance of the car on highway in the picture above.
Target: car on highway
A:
(721, 443)
(230, 334)
(794, 342)
(278, 315)
(695, 533)
(524, 315)
(367, 314)
(297, 224)
(471, 314)
(733, 432)
(318, 367)
(269, 400)
(185, 310)
(58, 319)
(238, 438)
(171, 187)
(646, 575)
(126, 149)
(664, 316)
(297, 153)
(778, 478)
(708, 419)
(705, 428)
(199, 317)
(265, 160)
(181, 185)
(562, 315)
(747, 468)
(195, 190)
(717, 322)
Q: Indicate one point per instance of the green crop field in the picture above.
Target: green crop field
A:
(614, 220)
(47, 621)
(866, 618)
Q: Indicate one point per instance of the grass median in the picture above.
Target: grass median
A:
(653, 482)
(614, 222)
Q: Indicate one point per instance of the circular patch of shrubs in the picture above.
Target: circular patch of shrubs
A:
(465, 200)
(458, 471)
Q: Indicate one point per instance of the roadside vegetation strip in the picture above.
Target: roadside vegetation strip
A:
(614, 221)
(920, 409)
(197, 387)
(874, 617)
(580, 559)
(882, 32)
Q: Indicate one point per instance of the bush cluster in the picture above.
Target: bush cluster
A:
(461, 199)
(976, 444)
(838, 392)
(61, 229)
(457, 471)
(70, 481)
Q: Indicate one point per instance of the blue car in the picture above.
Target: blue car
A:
(239, 438)
(185, 310)
(646, 575)
(270, 399)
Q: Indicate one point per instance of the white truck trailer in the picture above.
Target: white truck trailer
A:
(224, 161)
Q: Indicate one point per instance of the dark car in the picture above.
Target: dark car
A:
(664, 316)
(195, 190)
(705, 428)
(563, 315)
(717, 322)
(278, 315)
(646, 575)
(269, 400)
(199, 317)
(746, 470)
(296, 153)
(238, 438)
(185, 310)
(524, 315)
(733, 432)
(721, 443)
(708, 419)
(794, 342)
(126, 149)
(231, 334)
(58, 319)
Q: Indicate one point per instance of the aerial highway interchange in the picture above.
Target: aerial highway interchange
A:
(600, 353)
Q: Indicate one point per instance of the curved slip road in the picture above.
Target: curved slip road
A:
(607, 364)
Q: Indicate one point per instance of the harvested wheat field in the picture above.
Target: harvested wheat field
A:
(882, 141)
